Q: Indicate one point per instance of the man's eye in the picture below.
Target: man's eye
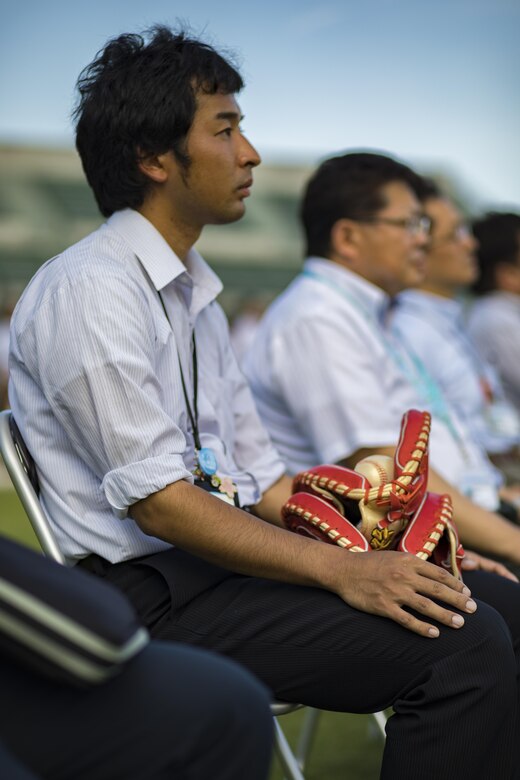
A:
(227, 131)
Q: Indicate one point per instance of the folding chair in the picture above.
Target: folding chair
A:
(22, 471)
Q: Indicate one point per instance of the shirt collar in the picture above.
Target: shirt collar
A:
(372, 298)
(160, 262)
(451, 308)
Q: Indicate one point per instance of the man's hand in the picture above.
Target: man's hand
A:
(381, 583)
(472, 561)
(386, 583)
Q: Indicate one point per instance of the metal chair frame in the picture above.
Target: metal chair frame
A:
(22, 471)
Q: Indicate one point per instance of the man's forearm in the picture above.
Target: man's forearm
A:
(351, 461)
(190, 518)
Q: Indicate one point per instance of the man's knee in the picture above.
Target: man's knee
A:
(476, 663)
(225, 724)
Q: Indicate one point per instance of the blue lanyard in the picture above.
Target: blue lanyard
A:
(453, 325)
(409, 364)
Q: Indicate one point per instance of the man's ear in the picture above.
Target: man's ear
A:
(344, 239)
(154, 166)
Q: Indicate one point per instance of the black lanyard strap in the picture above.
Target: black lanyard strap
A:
(193, 413)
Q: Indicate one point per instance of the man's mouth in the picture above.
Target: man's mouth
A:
(245, 188)
(418, 258)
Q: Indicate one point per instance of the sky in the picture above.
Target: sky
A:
(436, 84)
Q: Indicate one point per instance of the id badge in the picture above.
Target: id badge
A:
(206, 477)
(223, 488)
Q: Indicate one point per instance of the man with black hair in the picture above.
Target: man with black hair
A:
(494, 321)
(366, 238)
(128, 395)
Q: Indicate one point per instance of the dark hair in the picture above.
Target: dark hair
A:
(348, 186)
(498, 235)
(139, 98)
(427, 188)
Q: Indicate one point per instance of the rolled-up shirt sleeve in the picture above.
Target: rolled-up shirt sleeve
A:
(105, 391)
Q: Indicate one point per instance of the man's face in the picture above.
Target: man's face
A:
(450, 258)
(392, 256)
(213, 188)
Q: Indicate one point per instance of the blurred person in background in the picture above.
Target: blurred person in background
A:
(430, 320)
(330, 381)
(494, 319)
(244, 323)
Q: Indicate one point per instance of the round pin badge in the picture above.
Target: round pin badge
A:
(207, 461)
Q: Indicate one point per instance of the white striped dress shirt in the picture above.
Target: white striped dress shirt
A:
(95, 385)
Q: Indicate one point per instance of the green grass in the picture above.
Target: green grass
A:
(13, 521)
(345, 746)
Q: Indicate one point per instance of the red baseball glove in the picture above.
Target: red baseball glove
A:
(381, 504)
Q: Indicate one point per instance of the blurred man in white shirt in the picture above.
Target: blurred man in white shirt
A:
(431, 321)
(329, 380)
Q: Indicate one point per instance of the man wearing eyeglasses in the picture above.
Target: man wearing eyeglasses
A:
(330, 381)
(430, 320)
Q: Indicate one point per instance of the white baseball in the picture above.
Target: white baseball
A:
(378, 469)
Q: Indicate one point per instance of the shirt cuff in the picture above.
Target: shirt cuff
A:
(127, 485)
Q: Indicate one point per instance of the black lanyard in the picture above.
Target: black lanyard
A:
(193, 413)
(205, 472)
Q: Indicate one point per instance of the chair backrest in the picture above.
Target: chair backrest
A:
(22, 471)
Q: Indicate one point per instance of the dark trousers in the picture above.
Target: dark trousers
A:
(455, 698)
(174, 713)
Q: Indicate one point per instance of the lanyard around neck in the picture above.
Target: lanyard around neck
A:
(408, 363)
(369, 315)
(193, 412)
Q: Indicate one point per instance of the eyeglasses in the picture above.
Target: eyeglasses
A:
(460, 233)
(413, 225)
